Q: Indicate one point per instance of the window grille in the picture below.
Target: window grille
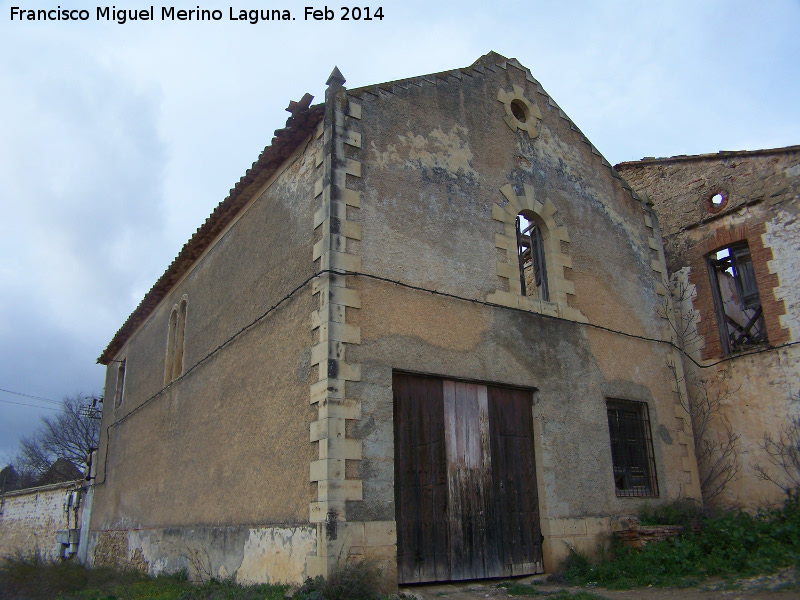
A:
(631, 449)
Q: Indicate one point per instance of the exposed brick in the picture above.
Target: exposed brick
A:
(681, 188)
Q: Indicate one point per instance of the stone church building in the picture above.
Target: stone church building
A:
(424, 328)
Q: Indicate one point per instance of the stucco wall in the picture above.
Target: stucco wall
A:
(227, 443)
(435, 157)
(782, 235)
(761, 190)
(30, 519)
(246, 554)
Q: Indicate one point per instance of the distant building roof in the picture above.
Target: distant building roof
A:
(711, 156)
(60, 471)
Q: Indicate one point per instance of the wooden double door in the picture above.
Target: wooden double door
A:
(465, 485)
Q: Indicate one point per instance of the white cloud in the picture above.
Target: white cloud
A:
(118, 141)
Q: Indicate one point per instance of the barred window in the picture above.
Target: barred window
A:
(631, 449)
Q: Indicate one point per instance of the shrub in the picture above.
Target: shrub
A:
(522, 589)
(30, 577)
(685, 512)
(350, 581)
(731, 543)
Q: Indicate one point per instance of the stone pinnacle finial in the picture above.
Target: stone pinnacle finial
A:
(336, 77)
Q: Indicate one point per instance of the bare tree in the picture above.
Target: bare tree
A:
(69, 435)
(783, 455)
(716, 444)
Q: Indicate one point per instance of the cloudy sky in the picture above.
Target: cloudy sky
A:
(117, 141)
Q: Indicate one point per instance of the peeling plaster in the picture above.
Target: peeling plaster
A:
(792, 171)
(250, 555)
(782, 235)
(564, 157)
(276, 555)
(448, 152)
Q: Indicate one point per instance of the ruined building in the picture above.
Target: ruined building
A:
(423, 329)
(732, 241)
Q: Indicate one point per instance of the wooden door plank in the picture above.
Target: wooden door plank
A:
(472, 548)
(514, 479)
(473, 484)
(454, 451)
(465, 487)
(420, 487)
(465, 402)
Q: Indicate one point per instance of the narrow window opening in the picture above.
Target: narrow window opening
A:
(532, 264)
(120, 387)
(179, 341)
(631, 449)
(717, 200)
(736, 300)
(170, 358)
(175, 342)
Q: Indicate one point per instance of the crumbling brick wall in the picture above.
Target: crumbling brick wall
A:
(757, 201)
(758, 188)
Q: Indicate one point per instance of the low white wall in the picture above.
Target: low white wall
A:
(30, 518)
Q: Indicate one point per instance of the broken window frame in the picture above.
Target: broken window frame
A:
(634, 466)
(531, 256)
(737, 336)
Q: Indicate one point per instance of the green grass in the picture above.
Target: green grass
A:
(732, 544)
(28, 577)
(580, 595)
(520, 589)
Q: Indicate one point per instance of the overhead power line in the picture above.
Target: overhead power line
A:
(29, 405)
(31, 396)
(665, 342)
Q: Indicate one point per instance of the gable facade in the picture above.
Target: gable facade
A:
(428, 336)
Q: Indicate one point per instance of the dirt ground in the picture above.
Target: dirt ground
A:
(758, 588)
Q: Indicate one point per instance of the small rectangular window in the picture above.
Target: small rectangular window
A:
(631, 449)
(736, 300)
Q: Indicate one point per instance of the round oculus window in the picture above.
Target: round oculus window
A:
(520, 111)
